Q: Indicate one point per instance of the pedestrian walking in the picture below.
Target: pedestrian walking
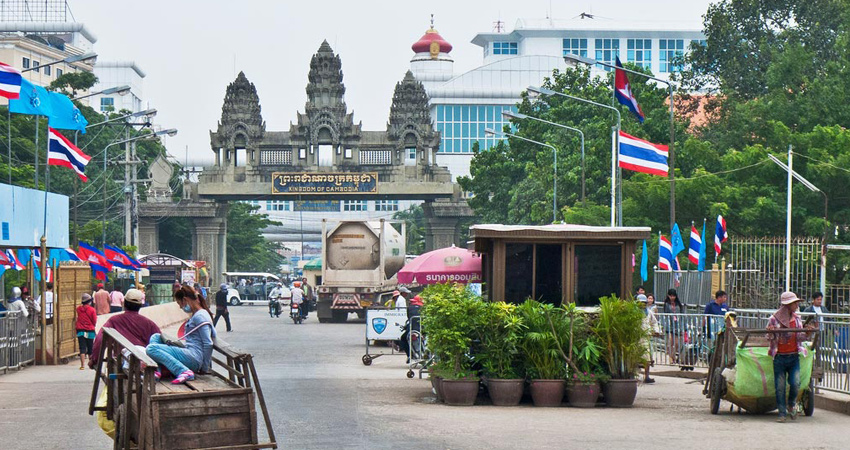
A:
(101, 300)
(116, 300)
(221, 307)
(86, 321)
(650, 329)
(673, 328)
(786, 348)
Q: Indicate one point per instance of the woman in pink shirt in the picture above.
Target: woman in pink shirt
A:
(116, 300)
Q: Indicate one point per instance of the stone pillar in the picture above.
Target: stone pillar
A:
(148, 236)
(442, 218)
(205, 240)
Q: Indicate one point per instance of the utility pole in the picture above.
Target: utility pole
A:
(127, 191)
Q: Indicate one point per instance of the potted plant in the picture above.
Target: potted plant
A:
(585, 374)
(498, 352)
(619, 328)
(542, 347)
(450, 317)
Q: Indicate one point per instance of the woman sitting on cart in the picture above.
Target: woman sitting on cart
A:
(196, 354)
(786, 348)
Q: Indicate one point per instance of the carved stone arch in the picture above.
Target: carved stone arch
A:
(324, 121)
(408, 130)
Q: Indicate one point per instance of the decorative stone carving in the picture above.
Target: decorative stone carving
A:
(410, 113)
(241, 123)
(160, 175)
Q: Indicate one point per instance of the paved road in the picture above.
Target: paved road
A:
(322, 397)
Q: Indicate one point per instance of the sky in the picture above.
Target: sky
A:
(191, 50)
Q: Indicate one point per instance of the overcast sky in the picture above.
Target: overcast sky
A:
(191, 50)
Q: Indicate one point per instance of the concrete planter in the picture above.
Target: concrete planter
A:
(460, 392)
(583, 395)
(547, 393)
(620, 393)
(505, 392)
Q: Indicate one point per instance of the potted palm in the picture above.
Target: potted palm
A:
(542, 347)
(450, 318)
(498, 352)
(585, 353)
(619, 328)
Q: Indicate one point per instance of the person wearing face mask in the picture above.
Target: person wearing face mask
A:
(137, 328)
(195, 354)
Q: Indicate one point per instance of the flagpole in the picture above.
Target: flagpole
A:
(9, 136)
(36, 151)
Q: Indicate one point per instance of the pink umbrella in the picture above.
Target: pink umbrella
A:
(446, 265)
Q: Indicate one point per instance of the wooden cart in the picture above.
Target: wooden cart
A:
(724, 356)
(216, 410)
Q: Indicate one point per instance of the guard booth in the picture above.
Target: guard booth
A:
(556, 263)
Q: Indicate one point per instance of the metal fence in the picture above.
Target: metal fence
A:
(17, 341)
(692, 286)
(685, 339)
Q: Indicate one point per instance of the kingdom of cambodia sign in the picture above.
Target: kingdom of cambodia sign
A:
(324, 183)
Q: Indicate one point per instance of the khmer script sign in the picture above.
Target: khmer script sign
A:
(324, 183)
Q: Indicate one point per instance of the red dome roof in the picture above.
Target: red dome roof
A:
(423, 45)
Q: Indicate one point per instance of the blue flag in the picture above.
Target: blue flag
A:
(701, 265)
(66, 115)
(644, 262)
(676, 240)
(34, 100)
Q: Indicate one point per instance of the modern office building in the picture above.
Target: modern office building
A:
(119, 73)
(464, 105)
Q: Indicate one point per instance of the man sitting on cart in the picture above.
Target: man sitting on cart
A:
(137, 328)
(786, 348)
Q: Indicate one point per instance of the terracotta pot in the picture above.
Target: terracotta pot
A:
(505, 392)
(620, 393)
(460, 392)
(547, 392)
(583, 395)
(436, 383)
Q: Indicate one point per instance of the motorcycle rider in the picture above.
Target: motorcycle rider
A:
(274, 300)
(298, 298)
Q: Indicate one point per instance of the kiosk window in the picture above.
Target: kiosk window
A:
(518, 276)
(548, 282)
(598, 270)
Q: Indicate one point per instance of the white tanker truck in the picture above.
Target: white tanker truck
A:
(360, 262)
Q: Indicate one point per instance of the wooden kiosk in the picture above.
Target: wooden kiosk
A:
(556, 263)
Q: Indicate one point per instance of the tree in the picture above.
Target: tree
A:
(414, 222)
(247, 250)
(73, 83)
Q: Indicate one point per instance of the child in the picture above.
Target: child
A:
(86, 320)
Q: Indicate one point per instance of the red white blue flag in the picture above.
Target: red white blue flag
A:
(10, 260)
(623, 92)
(10, 82)
(694, 245)
(720, 235)
(119, 258)
(96, 259)
(61, 152)
(665, 253)
(642, 156)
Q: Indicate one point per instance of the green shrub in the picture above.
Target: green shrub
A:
(499, 337)
(451, 318)
(620, 330)
(545, 340)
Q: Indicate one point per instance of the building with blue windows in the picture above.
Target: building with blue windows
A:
(464, 105)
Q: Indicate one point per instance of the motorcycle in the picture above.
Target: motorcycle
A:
(295, 313)
(274, 307)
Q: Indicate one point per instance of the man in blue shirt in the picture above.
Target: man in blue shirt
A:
(716, 308)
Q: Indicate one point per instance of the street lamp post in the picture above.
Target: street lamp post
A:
(672, 154)
(490, 131)
(520, 116)
(615, 217)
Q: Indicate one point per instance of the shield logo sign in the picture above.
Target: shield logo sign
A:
(379, 324)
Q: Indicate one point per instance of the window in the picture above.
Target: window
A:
(302, 153)
(670, 49)
(35, 65)
(347, 153)
(640, 52)
(411, 153)
(25, 63)
(505, 48)
(47, 70)
(354, 205)
(107, 104)
(575, 47)
(386, 205)
(58, 72)
(277, 205)
(461, 126)
(598, 271)
(698, 42)
(607, 50)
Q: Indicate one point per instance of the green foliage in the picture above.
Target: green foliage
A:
(620, 331)
(414, 222)
(73, 84)
(545, 339)
(499, 335)
(451, 318)
(586, 351)
(177, 241)
(247, 250)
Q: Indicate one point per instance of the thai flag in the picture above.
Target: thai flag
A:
(72, 255)
(36, 257)
(665, 253)
(10, 82)
(623, 92)
(694, 245)
(117, 257)
(642, 156)
(11, 260)
(720, 234)
(61, 152)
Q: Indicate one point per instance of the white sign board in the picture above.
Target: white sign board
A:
(385, 324)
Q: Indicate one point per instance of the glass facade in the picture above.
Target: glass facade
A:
(670, 49)
(505, 48)
(463, 125)
(277, 205)
(575, 47)
(607, 50)
(354, 205)
(386, 205)
(640, 52)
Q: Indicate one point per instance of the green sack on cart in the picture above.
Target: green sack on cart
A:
(754, 377)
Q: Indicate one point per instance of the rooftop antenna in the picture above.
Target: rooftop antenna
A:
(499, 26)
(432, 21)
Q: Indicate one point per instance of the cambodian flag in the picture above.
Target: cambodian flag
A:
(720, 234)
(10, 82)
(694, 245)
(623, 92)
(642, 156)
(665, 253)
(118, 258)
(61, 152)
(96, 259)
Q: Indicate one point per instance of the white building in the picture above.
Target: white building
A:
(464, 105)
(119, 73)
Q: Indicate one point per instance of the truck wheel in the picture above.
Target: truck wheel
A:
(234, 301)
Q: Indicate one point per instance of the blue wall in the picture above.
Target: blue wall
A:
(22, 218)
